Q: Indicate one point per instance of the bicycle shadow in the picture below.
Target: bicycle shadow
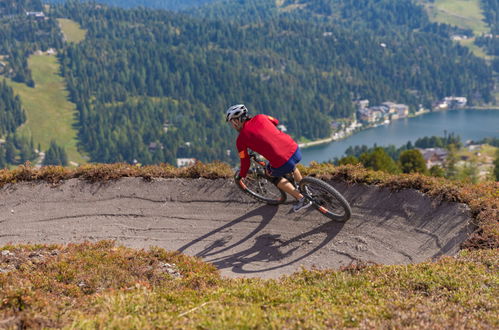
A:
(266, 248)
(271, 248)
(267, 212)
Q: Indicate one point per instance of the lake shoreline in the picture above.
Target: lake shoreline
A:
(318, 142)
(469, 124)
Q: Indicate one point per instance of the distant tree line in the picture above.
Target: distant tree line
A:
(16, 150)
(12, 114)
(422, 143)
(491, 42)
(408, 159)
(156, 4)
(493, 141)
(55, 155)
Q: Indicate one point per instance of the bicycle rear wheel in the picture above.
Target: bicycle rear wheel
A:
(257, 186)
(326, 199)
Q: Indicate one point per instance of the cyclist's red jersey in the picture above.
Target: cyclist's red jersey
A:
(261, 135)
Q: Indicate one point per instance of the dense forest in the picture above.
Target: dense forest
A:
(22, 34)
(304, 72)
(152, 85)
(156, 4)
(11, 112)
(13, 149)
(491, 41)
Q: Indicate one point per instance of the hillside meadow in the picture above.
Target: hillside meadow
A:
(104, 285)
(466, 14)
(71, 30)
(50, 116)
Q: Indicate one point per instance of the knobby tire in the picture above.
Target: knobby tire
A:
(260, 188)
(326, 199)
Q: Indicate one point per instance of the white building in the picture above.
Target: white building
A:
(183, 162)
(36, 14)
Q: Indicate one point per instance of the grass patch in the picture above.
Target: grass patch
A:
(106, 286)
(477, 51)
(71, 30)
(466, 14)
(50, 114)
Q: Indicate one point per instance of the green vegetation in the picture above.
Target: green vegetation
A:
(21, 35)
(50, 116)
(106, 286)
(71, 30)
(55, 155)
(412, 161)
(157, 4)
(461, 163)
(11, 113)
(379, 160)
(477, 50)
(466, 14)
(17, 150)
(132, 54)
(150, 86)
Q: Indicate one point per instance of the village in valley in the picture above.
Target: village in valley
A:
(478, 159)
(368, 116)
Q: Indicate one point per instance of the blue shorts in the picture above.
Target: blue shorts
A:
(288, 167)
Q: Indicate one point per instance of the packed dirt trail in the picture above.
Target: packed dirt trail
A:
(213, 220)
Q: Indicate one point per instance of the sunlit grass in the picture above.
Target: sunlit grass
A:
(50, 116)
(466, 14)
(477, 51)
(71, 30)
(102, 285)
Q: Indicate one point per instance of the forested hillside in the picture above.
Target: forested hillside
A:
(152, 85)
(11, 113)
(491, 41)
(22, 34)
(175, 73)
(13, 149)
(156, 4)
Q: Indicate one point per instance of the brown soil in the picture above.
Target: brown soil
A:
(212, 219)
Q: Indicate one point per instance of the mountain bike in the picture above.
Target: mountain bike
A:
(258, 184)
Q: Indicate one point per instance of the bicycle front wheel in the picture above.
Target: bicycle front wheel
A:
(257, 186)
(326, 199)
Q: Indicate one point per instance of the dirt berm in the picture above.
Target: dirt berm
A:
(212, 219)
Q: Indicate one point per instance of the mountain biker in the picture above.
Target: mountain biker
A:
(260, 134)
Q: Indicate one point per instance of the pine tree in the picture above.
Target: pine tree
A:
(3, 161)
(412, 161)
(55, 155)
(379, 160)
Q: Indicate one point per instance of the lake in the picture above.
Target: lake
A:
(468, 124)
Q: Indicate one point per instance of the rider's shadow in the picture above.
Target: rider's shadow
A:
(271, 248)
(266, 247)
(266, 212)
